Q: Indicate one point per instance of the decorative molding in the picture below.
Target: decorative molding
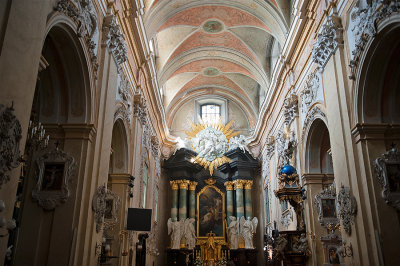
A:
(101, 207)
(347, 208)
(124, 91)
(365, 22)
(10, 136)
(291, 109)
(83, 13)
(314, 113)
(55, 170)
(124, 113)
(322, 203)
(114, 40)
(387, 171)
(140, 108)
(327, 41)
(155, 146)
(309, 92)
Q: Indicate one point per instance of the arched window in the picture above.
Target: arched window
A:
(210, 112)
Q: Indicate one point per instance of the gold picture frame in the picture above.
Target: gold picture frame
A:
(210, 185)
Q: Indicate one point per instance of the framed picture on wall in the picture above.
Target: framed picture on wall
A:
(326, 205)
(55, 170)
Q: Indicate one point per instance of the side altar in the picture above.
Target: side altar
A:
(212, 220)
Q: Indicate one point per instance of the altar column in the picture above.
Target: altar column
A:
(174, 205)
(192, 199)
(183, 187)
(239, 198)
(247, 199)
(229, 200)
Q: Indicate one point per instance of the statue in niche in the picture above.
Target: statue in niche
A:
(233, 232)
(190, 233)
(176, 230)
(247, 229)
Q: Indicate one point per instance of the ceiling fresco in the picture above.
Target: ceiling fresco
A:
(216, 48)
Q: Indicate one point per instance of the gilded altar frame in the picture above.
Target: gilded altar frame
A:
(219, 239)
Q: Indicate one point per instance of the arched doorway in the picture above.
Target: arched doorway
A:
(47, 211)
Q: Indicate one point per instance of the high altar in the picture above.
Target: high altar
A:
(211, 201)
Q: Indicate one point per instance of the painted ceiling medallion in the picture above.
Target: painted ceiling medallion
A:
(211, 141)
(210, 71)
(213, 26)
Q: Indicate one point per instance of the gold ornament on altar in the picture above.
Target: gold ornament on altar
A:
(211, 141)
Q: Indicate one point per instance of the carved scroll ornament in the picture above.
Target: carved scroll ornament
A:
(347, 208)
(10, 136)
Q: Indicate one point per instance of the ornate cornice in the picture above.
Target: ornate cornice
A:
(114, 39)
(327, 41)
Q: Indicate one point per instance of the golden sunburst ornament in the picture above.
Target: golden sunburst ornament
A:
(211, 141)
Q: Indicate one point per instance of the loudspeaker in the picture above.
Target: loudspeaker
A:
(138, 219)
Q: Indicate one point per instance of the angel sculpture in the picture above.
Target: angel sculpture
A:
(247, 229)
(176, 230)
(190, 234)
(233, 232)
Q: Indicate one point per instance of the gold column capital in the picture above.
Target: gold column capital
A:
(238, 183)
(248, 184)
(229, 185)
(174, 184)
(192, 185)
(183, 184)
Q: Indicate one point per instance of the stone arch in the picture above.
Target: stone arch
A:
(377, 88)
(119, 159)
(65, 78)
(316, 143)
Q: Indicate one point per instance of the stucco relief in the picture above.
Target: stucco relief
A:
(327, 41)
(105, 204)
(364, 20)
(10, 136)
(287, 218)
(83, 13)
(291, 109)
(309, 93)
(347, 208)
(114, 39)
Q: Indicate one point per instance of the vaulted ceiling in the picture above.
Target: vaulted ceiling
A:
(219, 48)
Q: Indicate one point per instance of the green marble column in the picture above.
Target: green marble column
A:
(247, 199)
(192, 199)
(183, 187)
(239, 198)
(174, 205)
(229, 200)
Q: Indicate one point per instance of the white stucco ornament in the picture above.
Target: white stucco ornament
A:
(240, 142)
(211, 141)
(210, 144)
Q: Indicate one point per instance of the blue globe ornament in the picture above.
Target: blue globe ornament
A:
(288, 170)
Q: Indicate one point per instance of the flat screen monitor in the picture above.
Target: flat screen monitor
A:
(139, 219)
